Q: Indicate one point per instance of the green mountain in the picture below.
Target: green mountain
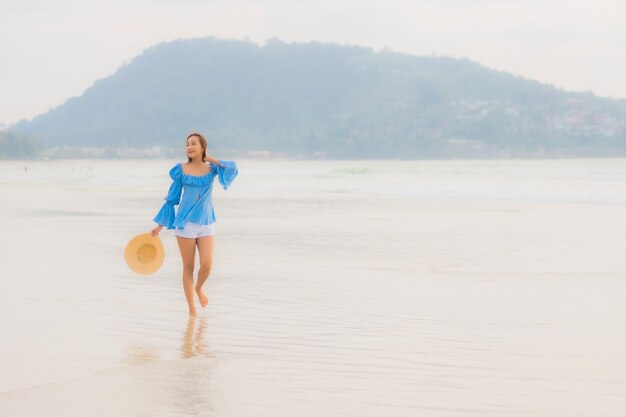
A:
(16, 145)
(327, 100)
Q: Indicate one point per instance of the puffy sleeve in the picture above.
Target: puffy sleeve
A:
(165, 216)
(226, 172)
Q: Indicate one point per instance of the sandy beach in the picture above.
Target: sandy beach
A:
(339, 288)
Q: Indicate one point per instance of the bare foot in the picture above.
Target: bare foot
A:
(202, 297)
(192, 313)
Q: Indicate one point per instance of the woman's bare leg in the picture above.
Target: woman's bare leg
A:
(205, 249)
(188, 253)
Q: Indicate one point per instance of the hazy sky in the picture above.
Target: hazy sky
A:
(52, 50)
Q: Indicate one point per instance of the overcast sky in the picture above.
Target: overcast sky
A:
(52, 50)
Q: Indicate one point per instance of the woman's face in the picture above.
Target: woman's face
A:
(193, 147)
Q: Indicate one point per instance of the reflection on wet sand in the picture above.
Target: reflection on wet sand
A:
(193, 339)
(140, 354)
(192, 395)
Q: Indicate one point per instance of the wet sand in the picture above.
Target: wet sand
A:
(440, 288)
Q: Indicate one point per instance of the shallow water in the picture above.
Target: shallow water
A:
(341, 288)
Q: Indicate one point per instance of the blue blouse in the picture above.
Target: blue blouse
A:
(196, 205)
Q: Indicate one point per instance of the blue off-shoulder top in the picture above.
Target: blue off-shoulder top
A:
(196, 203)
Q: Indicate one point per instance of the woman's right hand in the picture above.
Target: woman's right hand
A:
(156, 230)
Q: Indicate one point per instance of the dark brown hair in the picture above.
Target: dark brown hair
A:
(202, 143)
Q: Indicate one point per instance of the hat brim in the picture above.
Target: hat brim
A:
(144, 253)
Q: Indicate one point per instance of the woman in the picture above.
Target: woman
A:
(194, 222)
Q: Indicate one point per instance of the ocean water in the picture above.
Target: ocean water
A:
(339, 288)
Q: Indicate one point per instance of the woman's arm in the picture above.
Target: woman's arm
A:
(226, 171)
(212, 160)
(167, 214)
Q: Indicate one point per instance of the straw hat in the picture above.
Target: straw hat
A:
(144, 253)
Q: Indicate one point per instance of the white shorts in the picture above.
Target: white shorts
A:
(194, 230)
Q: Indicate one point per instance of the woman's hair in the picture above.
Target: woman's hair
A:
(202, 143)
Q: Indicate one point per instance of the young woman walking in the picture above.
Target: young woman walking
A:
(194, 222)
